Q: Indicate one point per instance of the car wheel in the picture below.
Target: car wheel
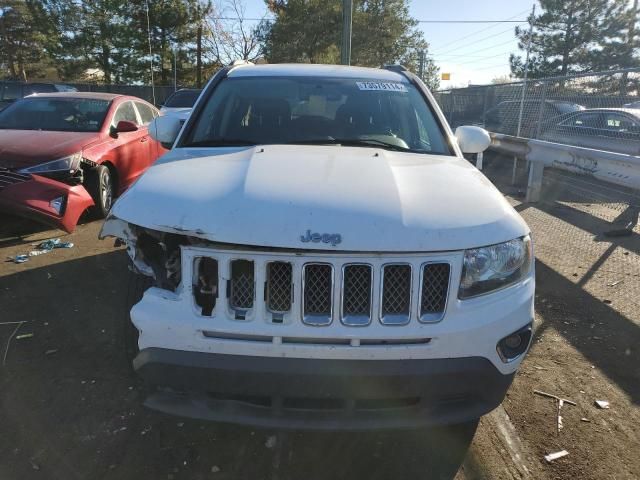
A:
(99, 184)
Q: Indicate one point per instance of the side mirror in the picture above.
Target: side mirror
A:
(472, 139)
(165, 129)
(126, 126)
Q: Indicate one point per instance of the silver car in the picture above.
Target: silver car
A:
(611, 129)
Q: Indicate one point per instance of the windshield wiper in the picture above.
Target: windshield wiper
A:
(222, 142)
(355, 142)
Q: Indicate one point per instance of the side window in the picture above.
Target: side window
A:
(146, 113)
(619, 123)
(584, 120)
(11, 91)
(125, 112)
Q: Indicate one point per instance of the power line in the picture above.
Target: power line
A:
(478, 31)
(490, 56)
(489, 46)
(475, 41)
(472, 21)
(464, 56)
(256, 19)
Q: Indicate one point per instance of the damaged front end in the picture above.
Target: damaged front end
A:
(153, 253)
(156, 254)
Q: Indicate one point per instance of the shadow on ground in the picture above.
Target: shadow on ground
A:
(71, 409)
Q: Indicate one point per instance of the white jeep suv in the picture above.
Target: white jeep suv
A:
(320, 255)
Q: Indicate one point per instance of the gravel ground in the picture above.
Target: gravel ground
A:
(71, 409)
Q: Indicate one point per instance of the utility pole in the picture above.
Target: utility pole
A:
(199, 49)
(153, 87)
(423, 55)
(524, 87)
(175, 68)
(347, 12)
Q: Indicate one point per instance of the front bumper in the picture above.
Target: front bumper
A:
(31, 198)
(322, 394)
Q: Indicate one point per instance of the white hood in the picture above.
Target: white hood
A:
(271, 195)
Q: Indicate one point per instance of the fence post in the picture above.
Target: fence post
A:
(545, 85)
(534, 184)
(484, 106)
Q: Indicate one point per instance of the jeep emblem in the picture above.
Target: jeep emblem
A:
(332, 238)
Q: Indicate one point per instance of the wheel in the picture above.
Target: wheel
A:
(99, 184)
(136, 286)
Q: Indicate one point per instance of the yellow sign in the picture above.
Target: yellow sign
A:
(446, 76)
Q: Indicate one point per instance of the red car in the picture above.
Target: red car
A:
(62, 153)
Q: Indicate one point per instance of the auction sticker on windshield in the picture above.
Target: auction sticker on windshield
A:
(385, 86)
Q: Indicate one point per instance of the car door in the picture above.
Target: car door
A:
(620, 133)
(580, 129)
(147, 113)
(129, 149)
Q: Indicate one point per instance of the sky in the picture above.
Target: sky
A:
(472, 53)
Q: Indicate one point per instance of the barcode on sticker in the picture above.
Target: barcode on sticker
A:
(384, 86)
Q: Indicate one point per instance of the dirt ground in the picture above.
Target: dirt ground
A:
(71, 409)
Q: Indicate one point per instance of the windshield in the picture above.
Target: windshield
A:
(55, 114)
(290, 110)
(182, 99)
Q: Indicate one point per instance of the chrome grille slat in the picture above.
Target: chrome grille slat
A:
(396, 294)
(434, 291)
(242, 285)
(279, 292)
(396, 290)
(317, 308)
(357, 283)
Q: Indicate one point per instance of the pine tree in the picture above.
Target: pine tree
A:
(564, 37)
(311, 31)
(21, 45)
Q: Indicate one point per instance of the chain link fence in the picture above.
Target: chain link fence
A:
(599, 111)
(595, 110)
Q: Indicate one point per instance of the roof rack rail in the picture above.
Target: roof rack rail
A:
(240, 62)
(395, 67)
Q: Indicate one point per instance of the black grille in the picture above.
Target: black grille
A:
(7, 177)
(279, 287)
(317, 291)
(356, 299)
(435, 284)
(396, 294)
(242, 285)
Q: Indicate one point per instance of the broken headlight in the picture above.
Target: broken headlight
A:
(70, 164)
(490, 268)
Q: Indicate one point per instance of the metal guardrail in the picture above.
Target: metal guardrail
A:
(616, 168)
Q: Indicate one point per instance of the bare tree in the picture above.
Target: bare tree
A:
(231, 36)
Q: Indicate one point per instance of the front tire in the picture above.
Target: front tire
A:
(99, 183)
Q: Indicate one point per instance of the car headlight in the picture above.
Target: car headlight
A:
(64, 164)
(497, 266)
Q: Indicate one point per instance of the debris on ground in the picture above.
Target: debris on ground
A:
(41, 248)
(6, 350)
(51, 352)
(554, 456)
(271, 442)
(613, 284)
(585, 420)
(602, 404)
(24, 336)
(560, 404)
(215, 469)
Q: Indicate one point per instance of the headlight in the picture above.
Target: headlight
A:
(497, 266)
(64, 164)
